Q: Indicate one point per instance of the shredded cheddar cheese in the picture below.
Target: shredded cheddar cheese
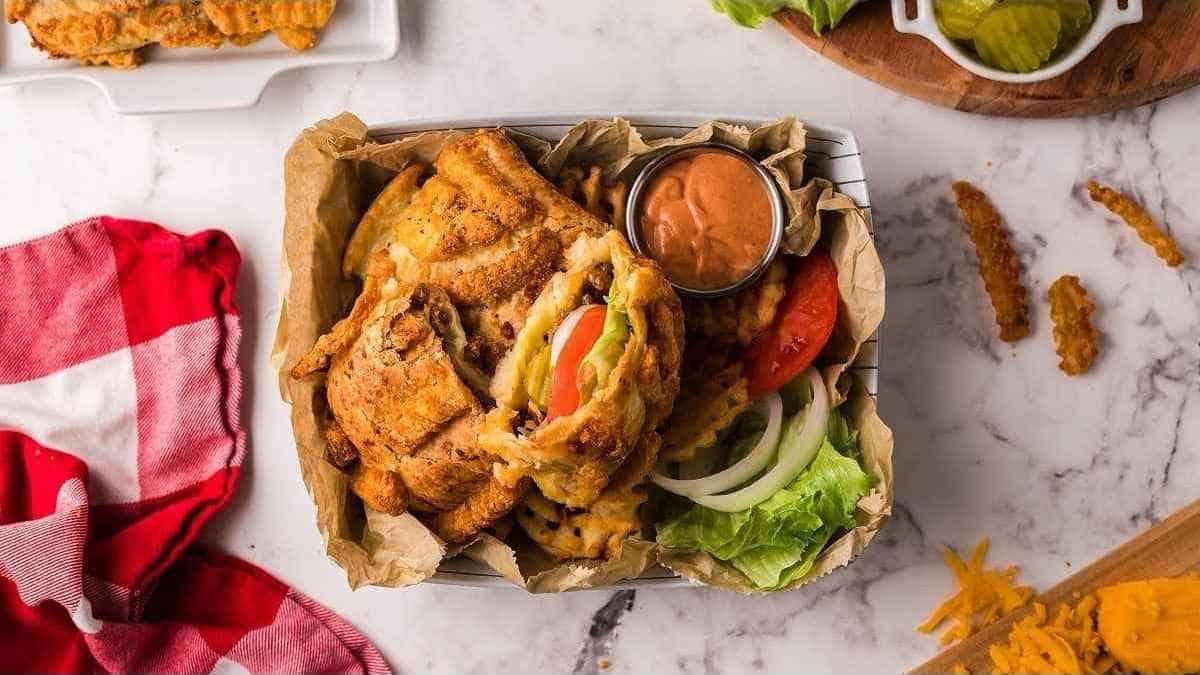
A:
(984, 595)
(1068, 644)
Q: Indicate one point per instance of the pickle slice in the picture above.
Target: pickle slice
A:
(1076, 16)
(1018, 36)
(957, 18)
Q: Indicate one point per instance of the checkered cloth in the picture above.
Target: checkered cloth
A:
(119, 439)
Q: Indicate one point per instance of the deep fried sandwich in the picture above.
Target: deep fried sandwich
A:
(115, 32)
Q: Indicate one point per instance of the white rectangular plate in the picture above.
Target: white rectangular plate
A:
(189, 79)
(832, 153)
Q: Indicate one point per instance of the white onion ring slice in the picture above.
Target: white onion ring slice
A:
(795, 453)
(769, 406)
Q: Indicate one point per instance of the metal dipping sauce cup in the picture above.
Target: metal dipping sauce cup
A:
(778, 210)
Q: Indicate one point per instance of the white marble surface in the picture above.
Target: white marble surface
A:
(991, 439)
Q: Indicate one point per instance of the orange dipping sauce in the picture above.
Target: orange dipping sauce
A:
(707, 219)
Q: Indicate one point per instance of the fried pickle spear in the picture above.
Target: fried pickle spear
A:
(998, 263)
(1074, 335)
(1136, 217)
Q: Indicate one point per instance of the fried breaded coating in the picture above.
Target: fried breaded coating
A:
(113, 32)
(493, 501)
(1074, 336)
(600, 530)
(339, 451)
(487, 225)
(740, 317)
(570, 534)
(236, 17)
(119, 60)
(376, 229)
(491, 170)
(110, 33)
(493, 328)
(713, 393)
(441, 474)
(1125, 208)
(396, 385)
(572, 457)
(379, 490)
(998, 263)
(296, 39)
(246, 39)
(403, 396)
(379, 274)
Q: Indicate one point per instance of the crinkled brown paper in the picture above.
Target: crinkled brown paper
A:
(331, 174)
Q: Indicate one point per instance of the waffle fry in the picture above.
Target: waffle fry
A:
(713, 393)
(235, 17)
(588, 189)
(998, 263)
(740, 317)
(1136, 217)
(1074, 335)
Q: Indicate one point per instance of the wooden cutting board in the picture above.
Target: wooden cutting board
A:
(1168, 549)
(1136, 64)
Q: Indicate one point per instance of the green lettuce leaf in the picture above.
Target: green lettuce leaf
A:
(604, 354)
(777, 541)
(751, 13)
(537, 378)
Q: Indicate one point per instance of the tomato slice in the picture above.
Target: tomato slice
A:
(564, 383)
(801, 328)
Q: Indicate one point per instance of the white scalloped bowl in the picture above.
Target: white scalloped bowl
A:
(1108, 16)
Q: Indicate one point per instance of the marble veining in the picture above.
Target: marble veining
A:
(991, 439)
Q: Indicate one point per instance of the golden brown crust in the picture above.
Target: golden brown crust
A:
(480, 240)
(998, 263)
(339, 451)
(119, 60)
(442, 223)
(1074, 335)
(246, 39)
(445, 472)
(233, 17)
(1136, 217)
(395, 386)
(377, 227)
(487, 225)
(296, 39)
(380, 490)
(494, 500)
(489, 275)
(597, 532)
(110, 32)
(493, 172)
(379, 271)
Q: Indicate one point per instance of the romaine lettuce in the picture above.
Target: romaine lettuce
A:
(777, 541)
(751, 13)
(608, 348)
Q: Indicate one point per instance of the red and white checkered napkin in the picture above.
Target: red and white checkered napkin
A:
(119, 439)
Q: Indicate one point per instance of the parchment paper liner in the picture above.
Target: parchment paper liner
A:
(331, 173)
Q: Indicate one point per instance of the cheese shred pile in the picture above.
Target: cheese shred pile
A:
(1068, 644)
(984, 595)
